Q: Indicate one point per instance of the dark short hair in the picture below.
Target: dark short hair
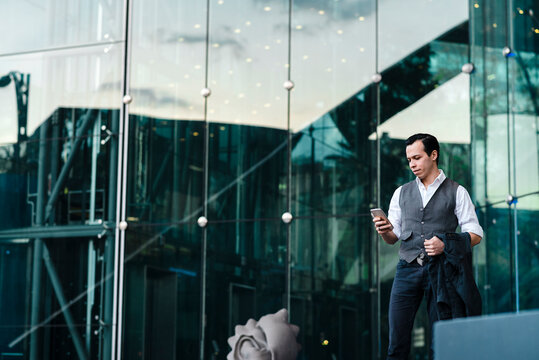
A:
(429, 142)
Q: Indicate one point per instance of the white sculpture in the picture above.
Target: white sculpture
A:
(271, 338)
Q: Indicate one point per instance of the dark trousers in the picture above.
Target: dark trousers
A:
(410, 284)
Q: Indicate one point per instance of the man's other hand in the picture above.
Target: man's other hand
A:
(434, 246)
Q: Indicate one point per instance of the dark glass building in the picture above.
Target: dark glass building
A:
(152, 154)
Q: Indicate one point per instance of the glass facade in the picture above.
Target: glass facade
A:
(148, 151)
(505, 152)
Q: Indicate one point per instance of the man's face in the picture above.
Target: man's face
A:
(420, 163)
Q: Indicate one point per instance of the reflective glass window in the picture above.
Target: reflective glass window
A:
(51, 24)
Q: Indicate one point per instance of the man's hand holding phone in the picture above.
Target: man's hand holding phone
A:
(381, 222)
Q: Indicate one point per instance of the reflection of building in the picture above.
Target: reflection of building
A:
(101, 250)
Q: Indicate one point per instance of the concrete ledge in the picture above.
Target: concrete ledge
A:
(504, 336)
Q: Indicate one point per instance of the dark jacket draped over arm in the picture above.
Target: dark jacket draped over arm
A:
(451, 278)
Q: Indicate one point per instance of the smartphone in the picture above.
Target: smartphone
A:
(378, 212)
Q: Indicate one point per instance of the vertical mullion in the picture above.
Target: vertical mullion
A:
(289, 165)
(377, 351)
(123, 136)
(204, 239)
(512, 137)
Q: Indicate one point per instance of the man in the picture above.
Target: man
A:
(430, 204)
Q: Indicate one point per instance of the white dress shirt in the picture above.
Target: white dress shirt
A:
(464, 208)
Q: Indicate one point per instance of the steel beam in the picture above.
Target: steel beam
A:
(55, 149)
(96, 143)
(109, 242)
(67, 231)
(77, 341)
(38, 245)
(88, 120)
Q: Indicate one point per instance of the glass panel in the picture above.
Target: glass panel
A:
(491, 100)
(167, 61)
(332, 107)
(524, 80)
(434, 86)
(57, 170)
(165, 181)
(76, 176)
(332, 161)
(528, 254)
(497, 166)
(478, 127)
(332, 57)
(408, 26)
(330, 289)
(246, 273)
(247, 110)
(165, 171)
(493, 258)
(499, 260)
(247, 169)
(15, 269)
(72, 270)
(162, 292)
(248, 62)
(58, 23)
(40, 84)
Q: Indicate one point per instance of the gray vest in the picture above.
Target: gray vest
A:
(418, 223)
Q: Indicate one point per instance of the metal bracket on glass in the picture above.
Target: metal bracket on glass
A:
(123, 225)
(205, 92)
(287, 217)
(109, 134)
(53, 232)
(102, 325)
(468, 68)
(507, 52)
(511, 200)
(376, 78)
(288, 85)
(127, 99)
(202, 221)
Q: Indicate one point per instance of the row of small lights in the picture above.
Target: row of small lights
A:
(266, 47)
(340, 32)
(267, 9)
(376, 78)
(468, 68)
(278, 41)
(344, 60)
(520, 11)
(248, 23)
(250, 60)
(360, 18)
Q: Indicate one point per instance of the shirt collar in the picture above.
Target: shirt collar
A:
(439, 179)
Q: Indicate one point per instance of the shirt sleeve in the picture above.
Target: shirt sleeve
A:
(394, 213)
(465, 213)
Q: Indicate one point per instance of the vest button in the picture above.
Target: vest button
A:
(421, 209)
(422, 222)
(422, 235)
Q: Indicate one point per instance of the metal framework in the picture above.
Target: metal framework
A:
(45, 229)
